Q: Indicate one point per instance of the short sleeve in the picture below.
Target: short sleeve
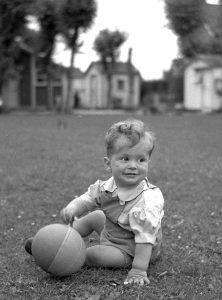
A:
(145, 217)
(89, 200)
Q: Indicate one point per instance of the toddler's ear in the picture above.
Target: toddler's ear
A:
(107, 164)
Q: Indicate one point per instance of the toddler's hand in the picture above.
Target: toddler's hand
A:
(137, 276)
(67, 215)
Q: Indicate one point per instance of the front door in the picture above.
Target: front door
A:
(25, 80)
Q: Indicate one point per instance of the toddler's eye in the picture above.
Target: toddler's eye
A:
(142, 160)
(124, 158)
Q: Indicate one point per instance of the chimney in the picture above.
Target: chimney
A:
(130, 55)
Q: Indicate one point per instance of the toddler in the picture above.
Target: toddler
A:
(125, 210)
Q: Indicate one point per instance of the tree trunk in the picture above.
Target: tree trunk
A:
(109, 71)
(49, 90)
(69, 100)
(109, 91)
(68, 103)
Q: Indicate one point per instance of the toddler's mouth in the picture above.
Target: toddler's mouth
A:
(131, 174)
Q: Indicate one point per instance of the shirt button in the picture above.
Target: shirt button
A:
(122, 202)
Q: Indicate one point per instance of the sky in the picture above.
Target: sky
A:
(153, 44)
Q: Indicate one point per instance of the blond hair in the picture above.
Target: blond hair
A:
(134, 130)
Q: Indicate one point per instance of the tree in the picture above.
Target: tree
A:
(197, 25)
(75, 17)
(13, 18)
(185, 16)
(46, 13)
(107, 45)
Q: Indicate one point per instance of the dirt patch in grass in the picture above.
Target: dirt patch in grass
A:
(43, 166)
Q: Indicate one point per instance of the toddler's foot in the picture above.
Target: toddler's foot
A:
(28, 245)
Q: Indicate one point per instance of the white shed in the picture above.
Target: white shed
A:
(203, 83)
(125, 86)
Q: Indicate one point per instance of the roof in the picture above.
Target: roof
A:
(118, 68)
(77, 73)
(211, 61)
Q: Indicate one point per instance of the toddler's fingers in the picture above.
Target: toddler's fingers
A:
(64, 216)
(147, 281)
(72, 219)
(138, 281)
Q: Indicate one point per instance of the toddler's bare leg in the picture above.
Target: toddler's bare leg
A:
(106, 256)
(93, 221)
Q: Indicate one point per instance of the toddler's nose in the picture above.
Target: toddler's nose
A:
(132, 164)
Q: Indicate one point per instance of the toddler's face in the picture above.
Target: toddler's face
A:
(129, 165)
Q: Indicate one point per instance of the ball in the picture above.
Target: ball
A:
(59, 249)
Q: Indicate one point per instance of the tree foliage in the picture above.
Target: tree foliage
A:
(197, 25)
(107, 44)
(184, 15)
(12, 23)
(46, 13)
(75, 16)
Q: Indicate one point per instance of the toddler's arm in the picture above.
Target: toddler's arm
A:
(80, 205)
(72, 210)
(138, 273)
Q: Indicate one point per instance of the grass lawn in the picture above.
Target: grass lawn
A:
(43, 166)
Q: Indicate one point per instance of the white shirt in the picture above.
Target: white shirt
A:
(142, 212)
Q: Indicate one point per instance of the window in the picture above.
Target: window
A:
(120, 84)
(41, 77)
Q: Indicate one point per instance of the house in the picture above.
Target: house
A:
(89, 89)
(28, 87)
(49, 94)
(124, 90)
(18, 89)
(58, 87)
(203, 83)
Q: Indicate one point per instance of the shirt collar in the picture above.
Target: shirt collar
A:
(125, 195)
(110, 185)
